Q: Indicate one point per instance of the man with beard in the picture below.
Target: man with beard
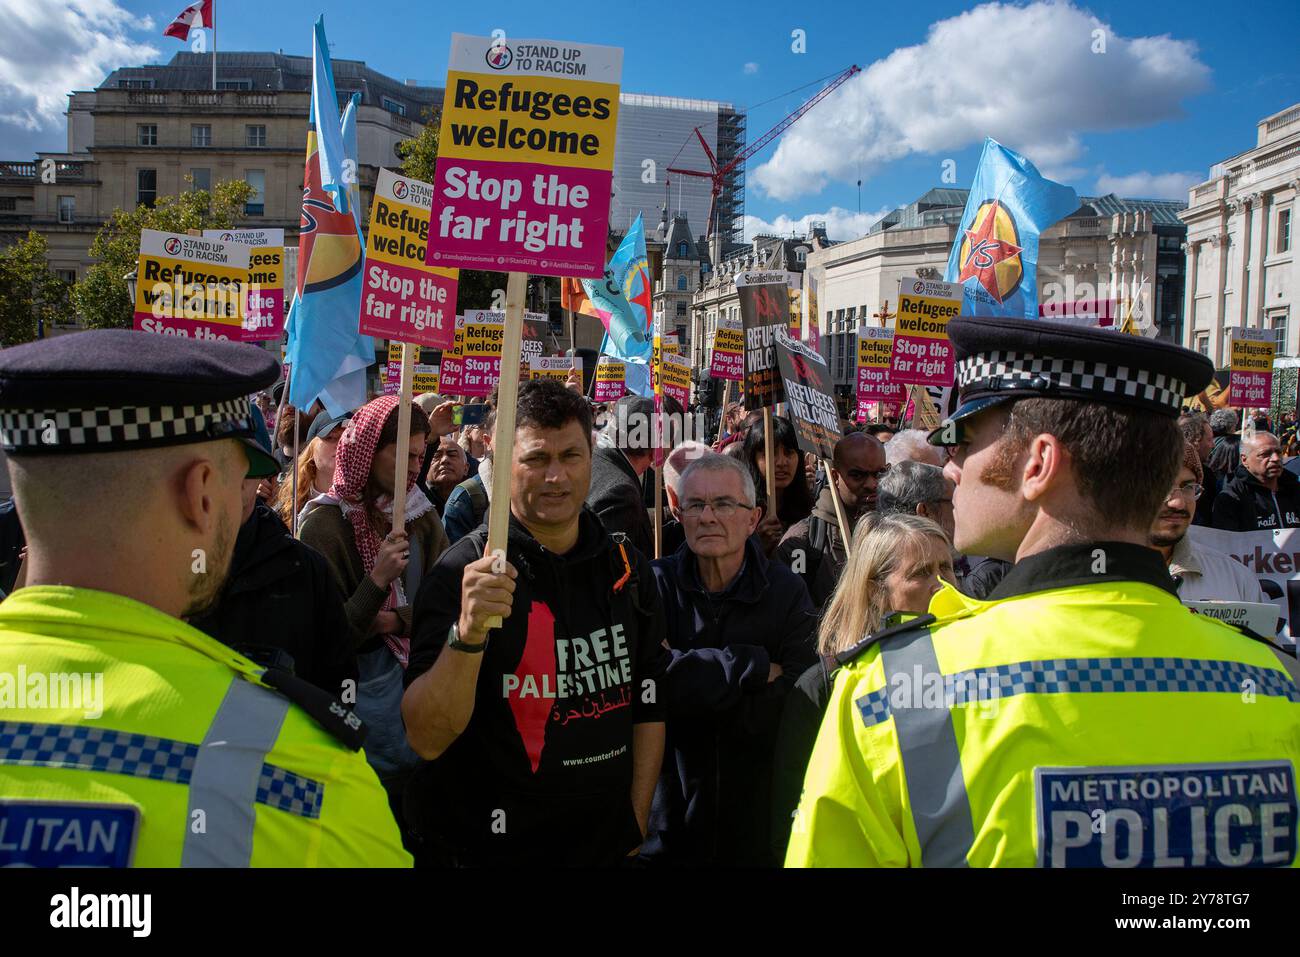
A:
(1201, 573)
(135, 726)
(813, 548)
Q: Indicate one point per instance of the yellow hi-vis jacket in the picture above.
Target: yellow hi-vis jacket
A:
(1078, 718)
(129, 738)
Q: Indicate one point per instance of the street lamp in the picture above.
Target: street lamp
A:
(129, 278)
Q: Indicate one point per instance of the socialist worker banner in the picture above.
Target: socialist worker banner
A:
(191, 286)
(764, 311)
(264, 302)
(401, 297)
(1273, 557)
(809, 395)
(526, 156)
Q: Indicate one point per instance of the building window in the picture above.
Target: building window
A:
(67, 209)
(135, 84)
(68, 276)
(1279, 331)
(146, 134)
(200, 135)
(146, 187)
(682, 250)
(256, 204)
(234, 84)
(681, 309)
(681, 283)
(202, 177)
(392, 106)
(255, 135)
(1283, 231)
(8, 204)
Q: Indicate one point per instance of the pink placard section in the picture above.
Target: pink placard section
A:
(263, 315)
(408, 304)
(920, 360)
(519, 217)
(727, 365)
(874, 385)
(188, 328)
(1250, 390)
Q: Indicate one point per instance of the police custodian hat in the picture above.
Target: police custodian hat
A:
(111, 390)
(1000, 360)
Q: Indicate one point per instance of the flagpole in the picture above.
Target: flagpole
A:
(214, 47)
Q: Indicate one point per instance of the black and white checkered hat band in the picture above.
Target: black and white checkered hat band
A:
(1102, 379)
(109, 429)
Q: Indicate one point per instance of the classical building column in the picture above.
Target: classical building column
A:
(1192, 249)
(1220, 243)
(1263, 205)
(1249, 230)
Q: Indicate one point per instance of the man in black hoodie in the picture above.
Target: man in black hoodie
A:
(1262, 494)
(740, 629)
(545, 736)
(622, 455)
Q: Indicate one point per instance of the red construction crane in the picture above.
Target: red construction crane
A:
(719, 175)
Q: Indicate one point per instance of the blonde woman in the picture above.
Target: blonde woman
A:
(897, 564)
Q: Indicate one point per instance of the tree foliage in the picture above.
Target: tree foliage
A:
(29, 292)
(102, 297)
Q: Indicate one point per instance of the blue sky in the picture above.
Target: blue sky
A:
(1177, 87)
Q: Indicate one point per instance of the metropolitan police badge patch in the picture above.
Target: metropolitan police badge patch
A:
(1209, 815)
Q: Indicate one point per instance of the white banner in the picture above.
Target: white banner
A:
(1272, 556)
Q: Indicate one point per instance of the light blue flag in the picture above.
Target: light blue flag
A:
(995, 255)
(326, 354)
(622, 303)
(353, 182)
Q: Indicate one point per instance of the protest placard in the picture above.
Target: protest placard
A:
(676, 378)
(875, 351)
(728, 355)
(264, 299)
(611, 376)
(922, 353)
(553, 367)
(1251, 368)
(191, 286)
(809, 396)
(764, 310)
(526, 156)
(1272, 556)
(402, 297)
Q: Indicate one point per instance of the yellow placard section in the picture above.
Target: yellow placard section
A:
(529, 119)
(1252, 355)
(399, 234)
(483, 339)
(874, 353)
(729, 340)
(177, 289)
(925, 316)
(610, 372)
(425, 379)
(677, 375)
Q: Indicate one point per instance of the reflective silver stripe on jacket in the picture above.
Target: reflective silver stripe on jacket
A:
(227, 772)
(927, 744)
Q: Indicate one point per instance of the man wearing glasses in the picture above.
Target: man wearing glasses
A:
(814, 548)
(740, 630)
(1262, 494)
(1201, 573)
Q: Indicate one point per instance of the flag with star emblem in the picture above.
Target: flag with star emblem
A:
(995, 255)
(621, 300)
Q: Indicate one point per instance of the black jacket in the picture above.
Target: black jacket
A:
(1245, 505)
(615, 496)
(280, 595)
(548, 749)
(714, 801)
(814, 550)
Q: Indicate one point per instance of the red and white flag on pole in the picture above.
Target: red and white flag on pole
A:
(194, 17)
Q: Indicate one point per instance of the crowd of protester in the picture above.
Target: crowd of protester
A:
(702, 674)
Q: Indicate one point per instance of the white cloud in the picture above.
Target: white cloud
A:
(751, 68)
(840, 223)
(1024, 75)
(1146, 185)
(48, 48)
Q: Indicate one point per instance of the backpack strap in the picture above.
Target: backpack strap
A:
(477, 497)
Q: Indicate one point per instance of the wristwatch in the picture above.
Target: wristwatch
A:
(453, 641)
